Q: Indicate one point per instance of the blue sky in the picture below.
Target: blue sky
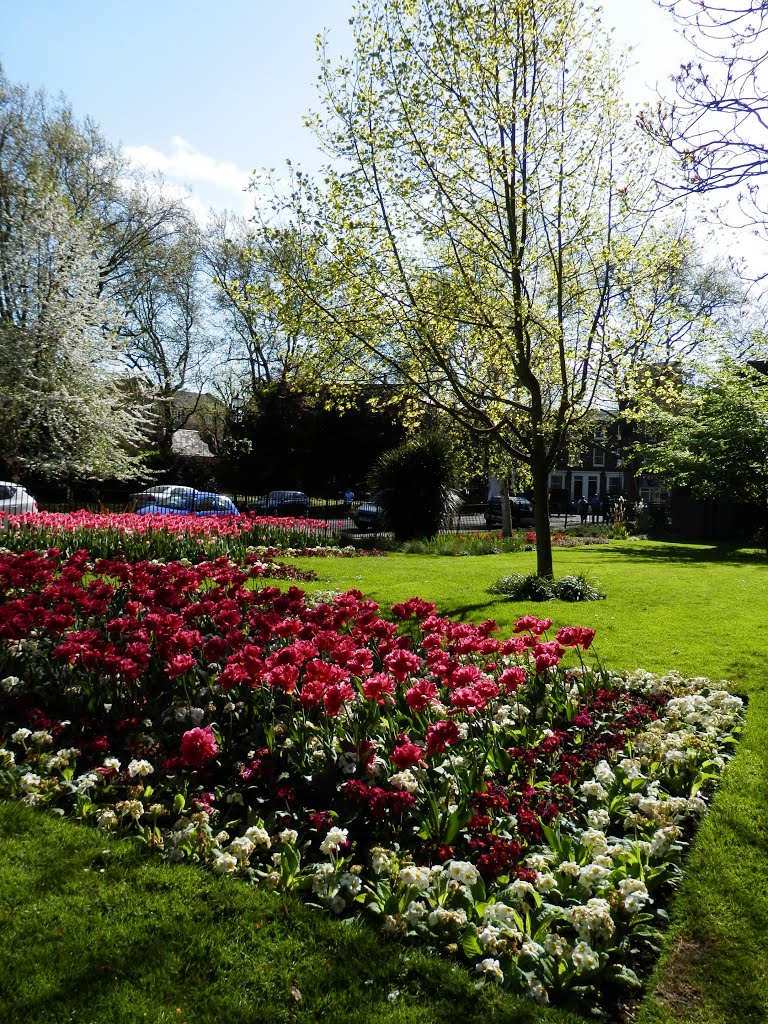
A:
(207, 93)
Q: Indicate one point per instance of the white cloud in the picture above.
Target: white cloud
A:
(201, 180)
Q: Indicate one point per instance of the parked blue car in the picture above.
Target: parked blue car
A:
(172, 500)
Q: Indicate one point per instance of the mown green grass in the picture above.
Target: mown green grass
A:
(96, 933)
(144, 941)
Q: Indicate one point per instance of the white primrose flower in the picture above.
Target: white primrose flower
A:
(538, 861)
(442, 918)
(415, 912)
(29, 781)
(415, 877)
(555, 945)
(519, 890)
(594, 840)
(603, 774)
(631, 768)
(135, 808)
(491, 938)
(140, 769)
(9, 683)
(537, 991)
(501, 916)
(225, 864)
(663, 838)
(107, 819)
(593, 788)
(288, 835)
(462, 871)
(598, 818)
(405, 781)
(569, 868)
(490, 968)
(87, 781)
(241, 848)
(21, 735)
(112, 762)
(334, 840)
(546, 882)
(381, 860)
(258, 836)
(592, 919)
(531, 948)
(41, 738)
(7, 758)
(584, 958)
(322, 879)
(675, 756)
(351, 883)
(592, 875)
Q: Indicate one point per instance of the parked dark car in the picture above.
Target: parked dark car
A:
(520, 511)
(368, 516)
(175, 500)
(282, 503)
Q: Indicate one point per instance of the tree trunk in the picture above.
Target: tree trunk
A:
(506, 516)
(541, 518)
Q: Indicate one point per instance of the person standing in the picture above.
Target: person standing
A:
(595, 504)
(583, 507)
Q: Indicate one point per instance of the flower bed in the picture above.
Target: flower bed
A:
(495, 797)
(166, 537)
(491, 543)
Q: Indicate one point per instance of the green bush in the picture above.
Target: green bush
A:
(609, 531)
(532, 587)
(411, 483)
(458, 544)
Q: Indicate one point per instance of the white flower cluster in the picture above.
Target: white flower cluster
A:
(334, 840)
(418, 878)
(592, 919)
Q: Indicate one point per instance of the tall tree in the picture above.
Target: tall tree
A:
(262, 313)
(716, 122)
(62, 409)
(61, 174)
(166, 326)
(477, 183)
(714, 440)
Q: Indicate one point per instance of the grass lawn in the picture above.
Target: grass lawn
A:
(95, 937)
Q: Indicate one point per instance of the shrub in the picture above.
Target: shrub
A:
(576, 588)
(607, 531)
(532, 587)
(411, 484)
(457, 544)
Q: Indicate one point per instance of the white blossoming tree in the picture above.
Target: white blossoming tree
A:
(64, 410)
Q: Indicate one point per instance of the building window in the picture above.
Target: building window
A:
(598, 457)
(614, 483)
(556, 481)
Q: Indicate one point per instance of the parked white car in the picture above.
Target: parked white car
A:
(15, 499)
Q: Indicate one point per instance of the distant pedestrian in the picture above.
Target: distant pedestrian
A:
(349, 497)
(583, 507)
(595, 504)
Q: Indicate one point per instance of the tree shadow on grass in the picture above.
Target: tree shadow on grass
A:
(677, 551)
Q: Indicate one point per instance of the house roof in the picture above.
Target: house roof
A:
(189, 442)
